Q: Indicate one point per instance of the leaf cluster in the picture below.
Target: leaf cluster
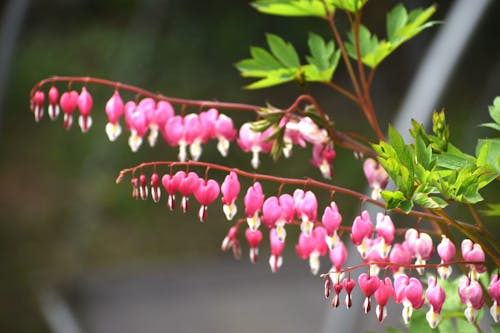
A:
(282, 63)
(401, 26)
(432, 172)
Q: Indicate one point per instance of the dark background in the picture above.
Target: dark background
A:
(61, 215)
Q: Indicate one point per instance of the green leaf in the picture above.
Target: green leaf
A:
(396, 20)
(402, 26)
(488, 153)
(450, 161)
(423, 153)
(283, 51)
(349, 5)
(323, 60)
(279, 66)
(492, 210)
(293, 7)
(494, 111)
(425, 201)
(372, 50)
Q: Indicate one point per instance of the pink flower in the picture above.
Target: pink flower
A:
(322, 159)
(494, 291)
(143, 187)
(368, 284)
(471, 294)
(171, 185)
(276, 212)
(253, 200)
(361, 231)
(385, 232)
(37, 104)
(473, 252)
(69, 102)
(399, 255)
(157, 115)
(306, 207)
(338, 255)
(230, 190)
(446, 250)
(382, 296)
(255, 142)
(348, 285)
(155, 188)
(420, 245)
(376, 176)
(206, 193)
(136, 120)
(85, 106)
(277, 246)
(435, 296)
(135, 188)
(312, 247)
(254, 238)
(188, 184)
(331, 220)
(231, 242)
(225, 133)
(114, 110)
(409, 292)
(53, 103)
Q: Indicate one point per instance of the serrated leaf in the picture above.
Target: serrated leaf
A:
(415, 22)
(494, 110)
(372, 50)
(280, 66)
(450, 161)
(323, 60)
(396, 20)
(401, 26)
(293, 7)
(283, 51)
(488, 153)
(423, 153)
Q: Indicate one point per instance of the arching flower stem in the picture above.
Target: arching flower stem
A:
(307, 182)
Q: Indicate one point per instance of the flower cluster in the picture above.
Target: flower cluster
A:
(321, 236)
(186, 131)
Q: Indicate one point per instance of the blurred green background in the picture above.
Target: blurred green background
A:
(61, 214)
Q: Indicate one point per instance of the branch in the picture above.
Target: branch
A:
(307, 182)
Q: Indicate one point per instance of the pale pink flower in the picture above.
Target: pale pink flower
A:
(446, 250)
(331, 220)
(376, 176)
(306, 207)
(471, 294)
(255, 142)
(494, 291)
(409, 292)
